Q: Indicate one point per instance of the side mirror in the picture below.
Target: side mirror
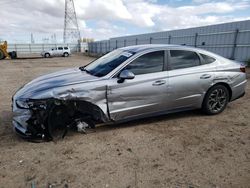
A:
(125, 74)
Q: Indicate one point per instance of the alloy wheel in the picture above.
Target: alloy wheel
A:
(217, 100)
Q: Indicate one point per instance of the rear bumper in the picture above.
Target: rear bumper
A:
(242, 95)
(238, 90)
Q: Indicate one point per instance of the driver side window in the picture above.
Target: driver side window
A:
(147, 63)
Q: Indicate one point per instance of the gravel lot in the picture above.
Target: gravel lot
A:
(185, 149)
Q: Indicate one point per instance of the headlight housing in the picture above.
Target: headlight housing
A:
(22, 103)
(26, 104)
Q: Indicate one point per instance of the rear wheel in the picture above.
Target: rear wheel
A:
(13, 55)
(47, 55)
(215, 100)
(66, 54)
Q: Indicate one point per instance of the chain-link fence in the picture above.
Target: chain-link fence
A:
(38, 48)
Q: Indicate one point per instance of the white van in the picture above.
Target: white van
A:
(58, 51)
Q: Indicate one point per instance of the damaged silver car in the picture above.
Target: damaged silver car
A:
(127, 83)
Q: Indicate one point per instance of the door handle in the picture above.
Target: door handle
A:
(159, 82)
(205, 76)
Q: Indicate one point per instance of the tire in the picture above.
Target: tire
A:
(47, 55)
(58, 120)
(66, 54)
(215, 100)
(2, 56)
(13, 55)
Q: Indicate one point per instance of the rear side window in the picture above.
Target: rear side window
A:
(66, 48)
(180, 59)
(147, 63)
(207, 59)
(60, 48)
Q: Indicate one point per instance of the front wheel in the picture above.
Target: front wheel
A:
(2, 56)
(215, 100)
(58, 120)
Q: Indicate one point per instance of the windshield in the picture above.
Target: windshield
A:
(108, 62)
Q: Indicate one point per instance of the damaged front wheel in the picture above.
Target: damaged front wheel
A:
(59, 121)
(61, 118)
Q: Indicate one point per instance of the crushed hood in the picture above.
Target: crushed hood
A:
(54, 80)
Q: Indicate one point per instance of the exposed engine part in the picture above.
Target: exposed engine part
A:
(82, 126)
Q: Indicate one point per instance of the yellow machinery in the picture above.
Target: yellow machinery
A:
(3, 52)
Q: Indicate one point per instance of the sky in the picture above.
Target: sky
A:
(103, 19)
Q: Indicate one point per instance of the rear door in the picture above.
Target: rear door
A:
(59, 51)
(145, 94)
(189, 78)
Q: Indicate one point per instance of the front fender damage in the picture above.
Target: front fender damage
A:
(77, 107)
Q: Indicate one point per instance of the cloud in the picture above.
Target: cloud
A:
(112, 17)
(107, 10)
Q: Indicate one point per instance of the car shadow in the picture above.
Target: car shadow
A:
(7, 133)
(149, 120)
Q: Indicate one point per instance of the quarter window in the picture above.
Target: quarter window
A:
(180, 59)
(60, 48)
(147, 63)
(207, 59)
(66, 48)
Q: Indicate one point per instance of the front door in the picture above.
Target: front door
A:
(145, 94)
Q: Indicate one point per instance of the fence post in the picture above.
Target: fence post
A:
(234, 43)
(116, 44)
(109, 46)
(195, 40)
(101, 47)
(136, 41)
(124, 42)
(30, 47)
(169, 39)
(106, 47)
(150, 40)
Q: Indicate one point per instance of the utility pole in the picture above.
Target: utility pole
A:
(71, 30)
(32, 41)
(53, 39)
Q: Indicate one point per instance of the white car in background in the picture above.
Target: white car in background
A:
(58, 51)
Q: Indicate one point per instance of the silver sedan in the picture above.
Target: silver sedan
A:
(127, 83)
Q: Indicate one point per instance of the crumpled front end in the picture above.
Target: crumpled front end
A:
(61, 98)
(29, 118)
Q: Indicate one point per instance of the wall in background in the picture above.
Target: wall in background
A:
(231, 40)
(38, 48)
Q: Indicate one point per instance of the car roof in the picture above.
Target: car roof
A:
(139, 48)
(145, 47)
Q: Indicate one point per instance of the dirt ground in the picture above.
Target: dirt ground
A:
(185, 149)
